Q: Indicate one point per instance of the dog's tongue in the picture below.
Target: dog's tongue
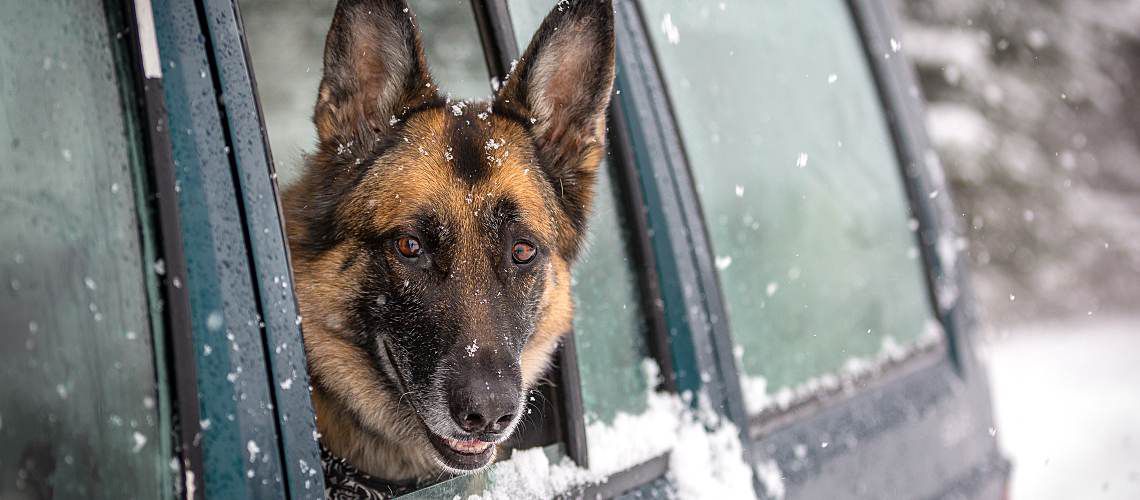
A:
(472, 447)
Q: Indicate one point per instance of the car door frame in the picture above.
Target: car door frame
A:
(240, 379)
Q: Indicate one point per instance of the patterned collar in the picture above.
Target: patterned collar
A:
(345, 482)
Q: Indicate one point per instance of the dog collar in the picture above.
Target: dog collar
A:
(343, 481)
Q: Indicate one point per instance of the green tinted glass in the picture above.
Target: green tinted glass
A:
(81, 414)
(798, 181)
(608, 321)
(287, 39)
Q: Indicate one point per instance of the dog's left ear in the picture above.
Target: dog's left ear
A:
(562, 85)
(374, 71)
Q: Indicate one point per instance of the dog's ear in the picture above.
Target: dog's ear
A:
(562, 85)
(374, 70)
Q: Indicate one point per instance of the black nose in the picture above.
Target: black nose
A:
(484, 403)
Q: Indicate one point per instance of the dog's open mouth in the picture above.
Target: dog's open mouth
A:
(457, 454)
(472, 447)
(462, 455)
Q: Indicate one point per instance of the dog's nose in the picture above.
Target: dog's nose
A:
(482, 406)
(476, 423)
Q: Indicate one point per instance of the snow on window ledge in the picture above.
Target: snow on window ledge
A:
(771, 478)
(705, 453)
(762, 404)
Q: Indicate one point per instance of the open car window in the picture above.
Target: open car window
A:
(286, 41)
(621, 411)
(801, 191)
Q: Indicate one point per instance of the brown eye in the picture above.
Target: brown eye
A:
(408, 247)
(523, 252)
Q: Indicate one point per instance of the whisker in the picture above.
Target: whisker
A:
(401, 402)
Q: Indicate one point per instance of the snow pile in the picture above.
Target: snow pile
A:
(632, 439)
(530, 474)
(755, 391)
(708, 463)
(772, 478)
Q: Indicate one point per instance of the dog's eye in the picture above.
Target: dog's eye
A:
(409, 247)
(523, 252)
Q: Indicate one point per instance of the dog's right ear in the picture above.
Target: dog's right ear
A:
(374, 71)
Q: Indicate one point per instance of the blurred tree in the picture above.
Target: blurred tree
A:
(1033, 106)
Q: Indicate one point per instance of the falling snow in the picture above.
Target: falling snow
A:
(722, 262)
(139, 441)
(671, 32)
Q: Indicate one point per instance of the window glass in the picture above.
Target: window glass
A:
(799, 185)
(609, 324)
(286, 41)
(81, 415)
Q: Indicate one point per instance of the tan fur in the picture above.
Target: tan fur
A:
(557, 313)
(416, 174)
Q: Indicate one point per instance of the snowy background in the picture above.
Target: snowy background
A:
(1034, 106)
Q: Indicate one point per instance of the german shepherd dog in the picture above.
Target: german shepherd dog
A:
(432, 239)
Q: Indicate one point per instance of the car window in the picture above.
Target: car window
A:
(286, 42)
(609, 324)
(800, 189)
(81, 413)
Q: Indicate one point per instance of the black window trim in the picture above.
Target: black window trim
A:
(628, 190)
(270, 254)
(162, 197)
(776, 419)
(208, 87)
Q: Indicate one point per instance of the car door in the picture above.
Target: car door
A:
(771, 304)
(822, 244)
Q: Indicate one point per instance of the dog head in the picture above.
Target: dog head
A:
(432, 239)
